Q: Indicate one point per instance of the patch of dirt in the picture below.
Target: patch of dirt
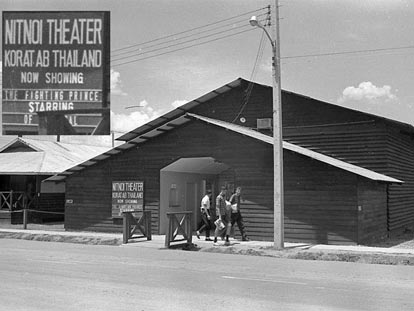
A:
(304, 254)
(403, 240)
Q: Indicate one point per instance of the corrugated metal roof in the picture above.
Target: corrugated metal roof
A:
(47, 157)
(190, 105)
(155, 131)
(300, 150)
(180, 111)
(91, 161)
(5, 140)
(21, 163)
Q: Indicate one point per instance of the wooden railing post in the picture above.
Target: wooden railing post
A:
(125, 230)
(169, 230)
(25, 218)
(148, 225)
(11, 200)
(189, 229)
(179, 223)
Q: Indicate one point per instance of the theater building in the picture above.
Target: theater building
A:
(341, 178)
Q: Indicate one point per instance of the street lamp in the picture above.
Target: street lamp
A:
(278, 204)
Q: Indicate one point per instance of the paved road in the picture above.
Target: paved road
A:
(62, 276)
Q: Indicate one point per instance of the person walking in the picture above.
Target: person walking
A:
(222, 216)
(205, 223)
(236, 216)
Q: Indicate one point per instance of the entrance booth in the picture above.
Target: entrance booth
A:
(183, 184)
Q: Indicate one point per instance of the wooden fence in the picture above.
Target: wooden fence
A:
(131, 225)
(179, 228)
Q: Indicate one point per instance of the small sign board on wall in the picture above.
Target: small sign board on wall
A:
(127, 196)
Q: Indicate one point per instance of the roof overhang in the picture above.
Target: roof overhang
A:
(185, 118)
(180, 111)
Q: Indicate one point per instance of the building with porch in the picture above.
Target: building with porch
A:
(24, 165)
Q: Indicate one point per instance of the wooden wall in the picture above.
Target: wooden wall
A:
(373, 143)
(231, 106)
(363, 144)
(53, 203)
(320, 202)
(298, 110)
(349, 135)
(5, 217)
(372, 210)
(400, 154)
(90, 189)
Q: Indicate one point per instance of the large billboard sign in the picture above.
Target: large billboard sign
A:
(55, 62)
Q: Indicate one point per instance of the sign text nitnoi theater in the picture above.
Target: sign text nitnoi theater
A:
(53, 61)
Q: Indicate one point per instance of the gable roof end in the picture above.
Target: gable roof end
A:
(300, 150)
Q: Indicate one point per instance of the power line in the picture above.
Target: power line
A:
(350, 52)
(181, 38)
(183, 48)
(161, 45)
(179, 33)
(176, 44)
(252, 77)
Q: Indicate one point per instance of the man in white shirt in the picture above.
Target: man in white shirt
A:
(205, 223)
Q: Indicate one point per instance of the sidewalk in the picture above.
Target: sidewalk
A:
(362, 254)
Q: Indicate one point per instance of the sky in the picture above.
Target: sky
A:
(364, 52)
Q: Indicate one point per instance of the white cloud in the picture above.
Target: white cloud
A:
(178, 103)
(127, 122)
(116, 83)
(122, 123)
(380, 101)
(367, 92)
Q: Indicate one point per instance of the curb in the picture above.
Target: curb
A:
(318, 255)
(50, 237)
(247, 250)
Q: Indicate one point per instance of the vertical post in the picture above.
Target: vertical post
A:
(168, 234)
(11, 201)
(190, 227)
(148, 225)
(125, 228)
(25, 218)
(277, 135)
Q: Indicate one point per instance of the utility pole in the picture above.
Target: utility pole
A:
(277, 135)
(278, 195)
(278, 204)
